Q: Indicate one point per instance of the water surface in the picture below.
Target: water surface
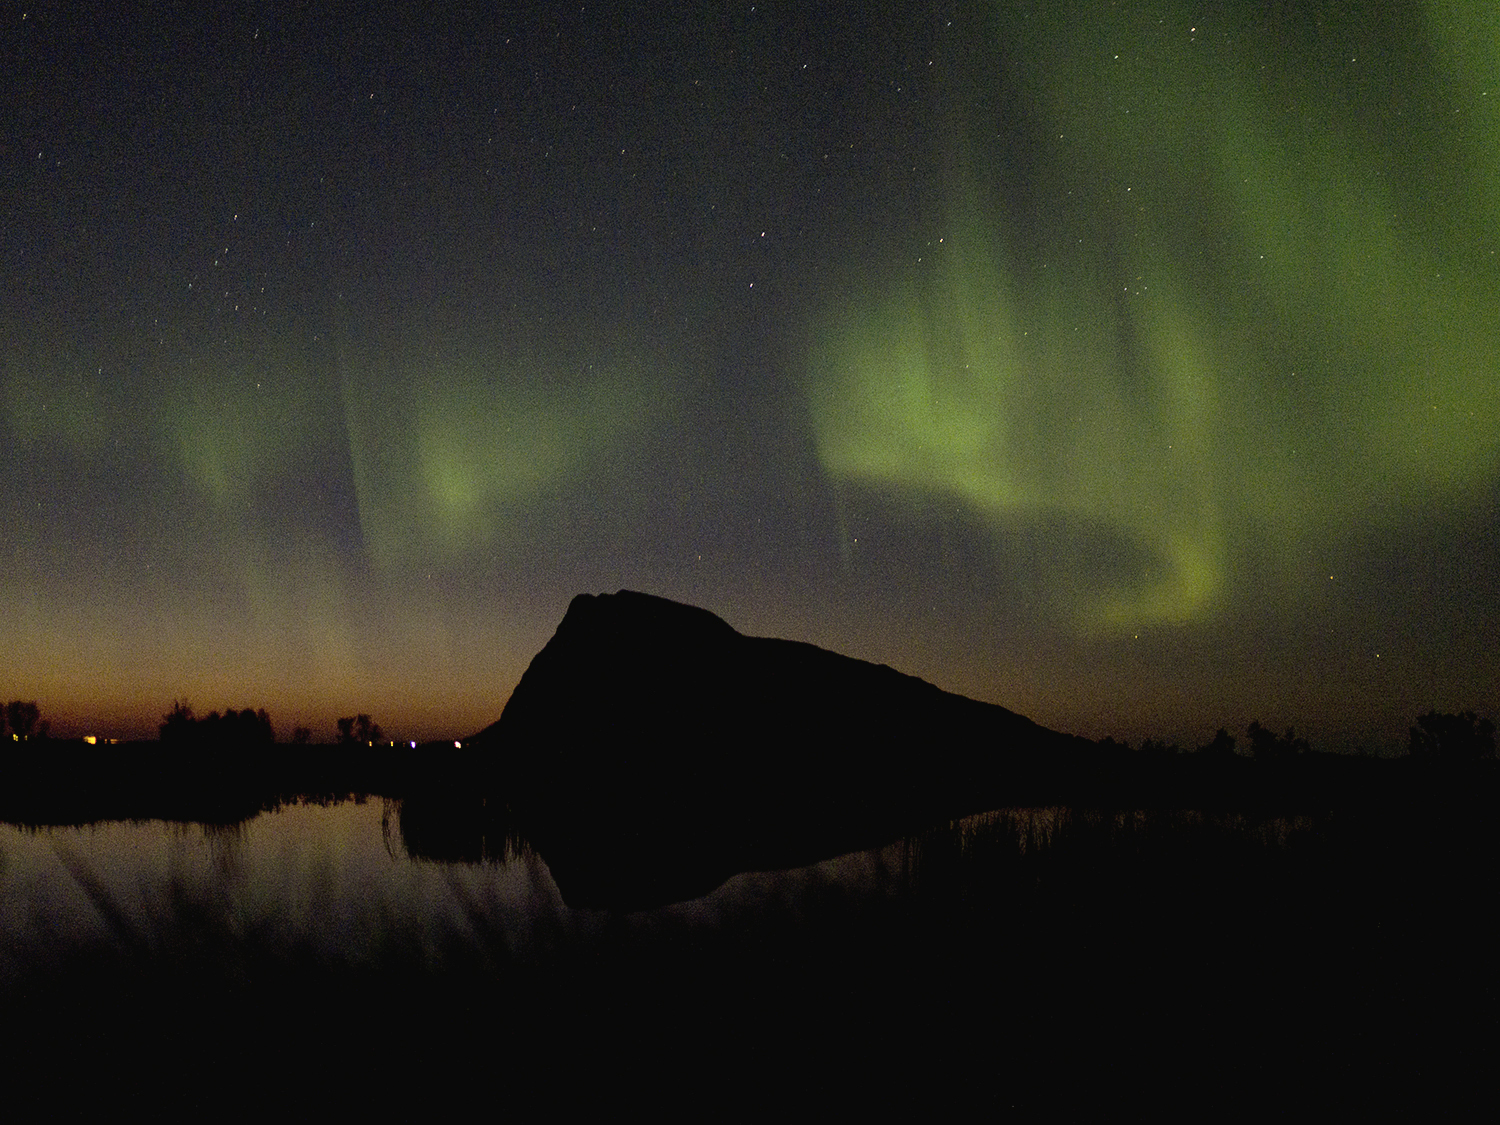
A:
(988, 959)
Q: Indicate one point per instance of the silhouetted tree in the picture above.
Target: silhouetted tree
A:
(262, 732)
(1266, 746)
(1222, 745)
(178, 725)
(1452, 738)
(23, 718)
(1262, 740)
(359, 730)
(367, 730)
(301, 736)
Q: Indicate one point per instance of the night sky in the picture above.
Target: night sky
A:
(1133, 365)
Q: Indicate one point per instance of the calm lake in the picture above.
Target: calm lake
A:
(335, 883)
(170, 963)
(1036, 957)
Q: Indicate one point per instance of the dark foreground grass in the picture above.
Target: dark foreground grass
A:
(1052, 961)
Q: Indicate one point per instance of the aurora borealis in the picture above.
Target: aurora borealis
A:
(1135, 366)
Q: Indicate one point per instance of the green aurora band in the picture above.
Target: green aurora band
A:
(1261, 301)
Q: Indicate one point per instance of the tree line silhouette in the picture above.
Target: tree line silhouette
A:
(247, 729)
(1436, 737)
(251, 728)
(1464, 737)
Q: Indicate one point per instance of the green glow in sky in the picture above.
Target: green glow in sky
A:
(1242, 307)
(451, 450)
(1112, 361)
(481, 452)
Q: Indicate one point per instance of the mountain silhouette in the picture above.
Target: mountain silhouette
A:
(650, 751)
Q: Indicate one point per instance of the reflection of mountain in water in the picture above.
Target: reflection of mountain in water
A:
(1186, 930)
(650, 751)
(1056, 958)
